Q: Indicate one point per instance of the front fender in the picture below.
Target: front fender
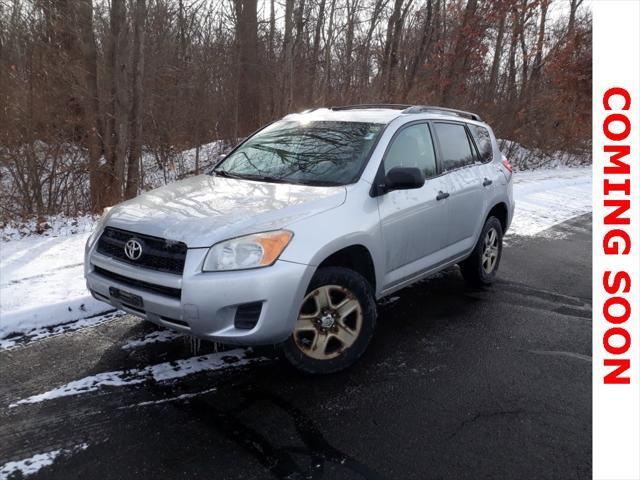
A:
(355, 222)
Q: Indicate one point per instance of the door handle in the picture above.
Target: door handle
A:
(442, 195)
(487, 182)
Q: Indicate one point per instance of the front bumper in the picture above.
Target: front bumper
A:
(208, 301)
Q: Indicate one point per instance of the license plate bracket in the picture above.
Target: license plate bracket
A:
(126, 298)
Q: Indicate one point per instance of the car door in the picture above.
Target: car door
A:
(466, 202)
(413, 222)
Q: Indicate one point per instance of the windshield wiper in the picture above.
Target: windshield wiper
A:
(224, 173)
(267, 178)
(249, 176)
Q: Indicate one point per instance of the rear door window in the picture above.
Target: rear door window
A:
(454, 145)
(483, 142)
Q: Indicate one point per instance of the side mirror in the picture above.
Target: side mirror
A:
(403, 178)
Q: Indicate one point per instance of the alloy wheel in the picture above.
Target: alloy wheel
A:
(329, 322)
(490, 250)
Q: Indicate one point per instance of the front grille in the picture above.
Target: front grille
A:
(157, 253)
(139, 284)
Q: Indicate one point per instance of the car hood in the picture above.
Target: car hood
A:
(203, 210)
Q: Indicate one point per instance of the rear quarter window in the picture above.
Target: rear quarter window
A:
(483, 142)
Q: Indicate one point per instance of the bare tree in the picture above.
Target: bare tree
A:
(99, 99)
(248, 68)
(134, 165)
(425, 40)
(117, 123)
(92, 103)
(461, 54)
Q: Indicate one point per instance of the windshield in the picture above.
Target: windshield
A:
(311, 153)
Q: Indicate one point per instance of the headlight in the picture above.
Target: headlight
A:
(97, 228)
(251, 251)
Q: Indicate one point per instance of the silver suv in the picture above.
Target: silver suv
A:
(295, 234)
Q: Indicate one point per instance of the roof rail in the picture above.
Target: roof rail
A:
(394, 106)
(449, 111)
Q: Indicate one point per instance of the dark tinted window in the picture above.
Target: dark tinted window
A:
(483, 142)
(454, 144)
(312, 153)
(412, 147)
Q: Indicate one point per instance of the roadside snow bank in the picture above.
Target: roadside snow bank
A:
(41, 333)
(523, 158)
(160, 372)
(31, 465)
(48, 226)
(547, 197)
(42, 283)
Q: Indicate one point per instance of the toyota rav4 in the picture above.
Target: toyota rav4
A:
(297, 232)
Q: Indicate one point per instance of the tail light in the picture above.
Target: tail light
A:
(506, 164)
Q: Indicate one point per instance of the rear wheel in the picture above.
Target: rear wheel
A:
(482, 265)
(335, 322)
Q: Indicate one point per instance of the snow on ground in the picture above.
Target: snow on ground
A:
(29, 466)
(41, 333)
(48, 226)
(181, 164)
(42, 282)
(160, 372)
(157, 336)
(523, 158)
(184, 396)
(547, 197)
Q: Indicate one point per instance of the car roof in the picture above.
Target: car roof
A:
(382, 114)
(369, 115)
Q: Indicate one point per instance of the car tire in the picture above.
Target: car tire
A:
(481, 267)
(335, 322)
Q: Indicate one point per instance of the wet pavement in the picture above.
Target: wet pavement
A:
(457, 383)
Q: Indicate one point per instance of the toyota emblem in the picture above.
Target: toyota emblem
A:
(133, 249)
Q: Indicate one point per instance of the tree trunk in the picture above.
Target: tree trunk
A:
(249, 70)
(523, 46)
(495, 65)
(117, 130)
(327, 54)
(92, 103)
(273, 71)
(135, 148)
(352, 6)
(425, 40)
(511, 76)
(460, 55)
(287, 50)
(573, 8)
(365, 60)
(313, 64)
(297, 81)
(536, 68)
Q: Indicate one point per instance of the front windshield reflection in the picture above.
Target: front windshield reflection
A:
(313, 153)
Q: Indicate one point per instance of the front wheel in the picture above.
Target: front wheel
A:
(482, 265)
(335, 322)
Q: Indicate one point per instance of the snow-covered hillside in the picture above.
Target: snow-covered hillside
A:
(42, 280)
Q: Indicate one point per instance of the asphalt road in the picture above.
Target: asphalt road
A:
(457, 383)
